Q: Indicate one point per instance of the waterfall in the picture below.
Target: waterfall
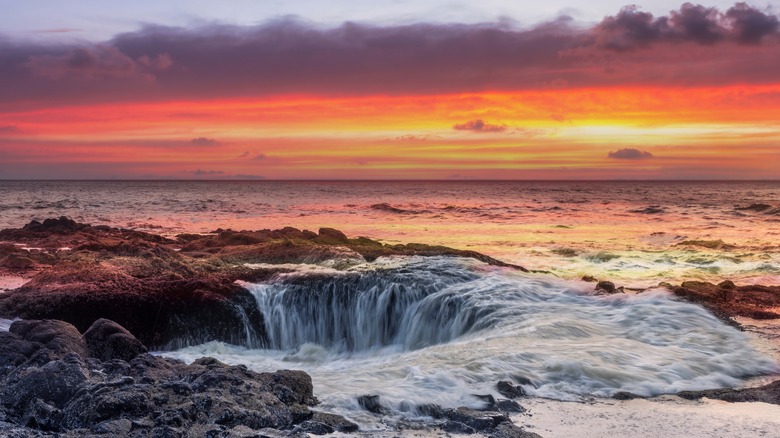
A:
(405, 308)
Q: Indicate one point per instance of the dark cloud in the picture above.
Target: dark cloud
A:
(8, 129)
(259, 157)
(288, 56)
(630, 154)
(243, 176)
(632, 28)
(200, 172)
(479, 125)
(204, 141)
(750, 26)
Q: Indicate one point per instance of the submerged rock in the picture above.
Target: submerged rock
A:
(372, 403)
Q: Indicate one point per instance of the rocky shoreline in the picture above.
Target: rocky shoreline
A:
(57, 382)
(95, 297)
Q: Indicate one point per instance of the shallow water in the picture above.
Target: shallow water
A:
(439, 330)
(629, 232)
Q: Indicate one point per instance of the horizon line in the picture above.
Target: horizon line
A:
(380, 180)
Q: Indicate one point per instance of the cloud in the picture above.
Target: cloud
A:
(288, 56)
(59, 30)
(750, 26)
(479, 125)
(259, 157)
(243, 176)
(630, 154)
(204, 141)
(8, 129)
(200, 172)
(632, 28)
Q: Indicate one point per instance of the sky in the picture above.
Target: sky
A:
(427, 89)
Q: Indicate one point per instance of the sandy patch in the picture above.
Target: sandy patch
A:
(666, 416)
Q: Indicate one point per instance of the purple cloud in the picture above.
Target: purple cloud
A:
(479, 125)
(630, 154)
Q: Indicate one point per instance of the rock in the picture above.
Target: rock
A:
(589, 279)
(57, 338)
(766, 394)
(727, 284)
(488, 399)
(431, 410)
(510, 406)
(727, 300)
(106, 340)
(43, 416)
(120, 427)
(315, 427)
(755, 207)
(509, 430)
(457, 427)
(372, 403)
(478, 420)
(332, 235)
(53, 383)
(623, 395)
(16, 262)
(606, 287)
(337, 422)
(510, 391)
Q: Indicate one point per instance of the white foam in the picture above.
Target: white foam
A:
(570, 344)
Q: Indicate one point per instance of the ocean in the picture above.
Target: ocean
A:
(440, 330)
(637, 234)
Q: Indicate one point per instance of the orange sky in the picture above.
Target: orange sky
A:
(673, 107)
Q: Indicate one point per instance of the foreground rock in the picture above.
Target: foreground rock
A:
(168, 292)
(50, 381)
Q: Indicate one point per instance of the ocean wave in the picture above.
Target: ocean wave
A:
(439, 330)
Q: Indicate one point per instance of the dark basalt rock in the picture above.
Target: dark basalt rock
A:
(372, 403)
(337, 422)
(509, 430)
(457, 427)
(623, 395)
(56, 339)
(64, 392)
(767, 394)
(315, 428)
(106, 340)
(510, 391)
(478, 420)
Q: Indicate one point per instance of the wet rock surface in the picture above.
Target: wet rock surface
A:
(169, 292)
(52, 383)
(728, 299)
(767, 394)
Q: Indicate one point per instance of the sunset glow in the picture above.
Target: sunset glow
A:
(409, 102)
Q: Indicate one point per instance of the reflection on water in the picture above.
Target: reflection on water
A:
(638, 233)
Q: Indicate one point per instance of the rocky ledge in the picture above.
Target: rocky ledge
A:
(169, 292)
(55, 381)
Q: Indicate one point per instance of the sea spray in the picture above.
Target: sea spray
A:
(437, 330)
